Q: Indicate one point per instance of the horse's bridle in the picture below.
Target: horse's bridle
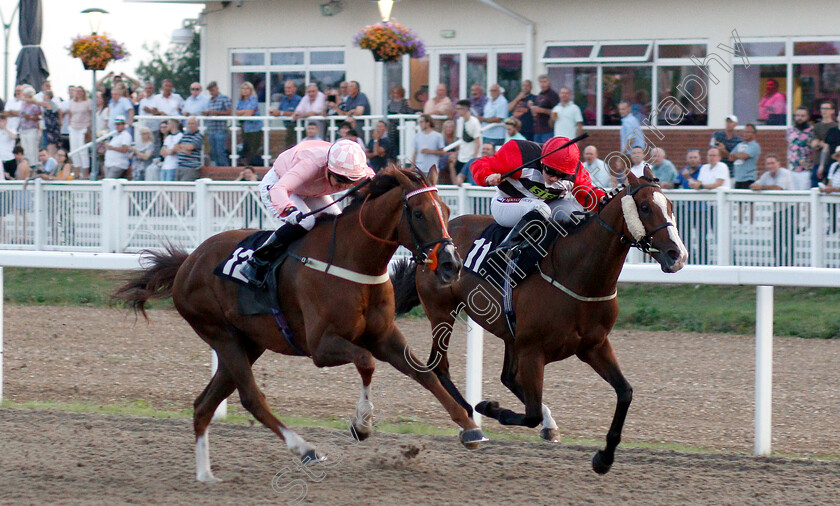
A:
(642, 243)
(425, 252)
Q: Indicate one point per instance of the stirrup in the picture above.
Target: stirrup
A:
(255, 271)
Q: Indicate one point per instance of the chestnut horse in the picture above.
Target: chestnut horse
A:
(568, 309)
(335, 320)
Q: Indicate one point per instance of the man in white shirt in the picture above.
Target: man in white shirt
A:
(13, 107)
(63, 113)
(196, 103)
(468, 131)
(713, 174)
(494, 113)
(166, 102)
(775, 177)
(117, 151)
(147, 108)
(428, 146)
(7, 144)
(637, 157)
(566, 117)
(596, 168)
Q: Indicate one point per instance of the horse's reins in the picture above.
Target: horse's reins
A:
(639, 241)
(421, 255)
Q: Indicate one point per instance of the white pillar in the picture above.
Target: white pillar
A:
(475, 360)
(2, 294)
(221, 410)
(763, 368)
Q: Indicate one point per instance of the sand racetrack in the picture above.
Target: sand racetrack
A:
(691, 390)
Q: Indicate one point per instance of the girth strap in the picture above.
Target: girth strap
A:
(572, 294)
(340, 272)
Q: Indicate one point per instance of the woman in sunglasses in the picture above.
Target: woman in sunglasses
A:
(303, 178)
(544, 188)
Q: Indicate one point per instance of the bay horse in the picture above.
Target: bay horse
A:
(569, 309)
(333, 319)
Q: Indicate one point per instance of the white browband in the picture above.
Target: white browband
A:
(421, 190)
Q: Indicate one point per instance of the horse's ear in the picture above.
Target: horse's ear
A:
(649, 173)
(433, 173)
(401, 177)
(632, 180)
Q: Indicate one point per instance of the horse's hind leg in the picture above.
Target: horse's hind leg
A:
(550, 431)
(602, 359)
(530, 366)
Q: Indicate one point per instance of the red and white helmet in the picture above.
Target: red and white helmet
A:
(346, 158)
(565, 160)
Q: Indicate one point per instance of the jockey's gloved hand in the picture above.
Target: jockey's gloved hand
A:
(297, 218)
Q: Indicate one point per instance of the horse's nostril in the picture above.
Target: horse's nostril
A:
(673, 254)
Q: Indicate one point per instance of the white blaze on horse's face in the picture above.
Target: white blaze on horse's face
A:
(673, 233)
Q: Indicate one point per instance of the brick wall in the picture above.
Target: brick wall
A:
(677, 142)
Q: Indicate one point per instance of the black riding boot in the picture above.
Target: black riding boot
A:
(515, 238)
(524, 252)
(255, 269)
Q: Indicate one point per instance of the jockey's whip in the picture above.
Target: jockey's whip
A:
(351, 191)
(537, 159)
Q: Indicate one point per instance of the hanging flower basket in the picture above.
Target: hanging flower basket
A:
(389, 40)
(96, 51)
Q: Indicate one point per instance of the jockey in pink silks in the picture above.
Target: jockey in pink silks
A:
(303, 178)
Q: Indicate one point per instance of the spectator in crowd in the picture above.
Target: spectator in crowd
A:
(773, 105)
(421, 96)
(111, 80)
(101, 128)
(712, 174)
(663, 169)
(691, 170)
(64, 116)
(465, 174)
(286, 107)
(800, 154)
(7, 145)
(144, 149)
(167, 102)
(744, 158)
(79, 112)
(30, 132)
(596, 168)
(146, 107)
(46, 163)
(512, 126)
(333, 100)
(520, 109)
(217, 105)
(566, 118)
(631, 130)
(314, 103)
(251, 130)
(19, 168)
(162, 133)
(343, 91)
(119, 106)
(51, 135)
(13, 108)
(196, 103)
(827, 122)
(312, 132)
(46, 86)
(356, 103)
(833, 181)
(428, 146)
(169, 152)
(477, 100)
(118, 149)
(248, 174)
(347, 130)
(378, 147)
(63, 170)
(726, 140)
(446, 164)
(397, 105)
(440, 104)
(775, 176)
(494, 113)
(189, 152)
(468, 131)
(832, 141)
(637, 159)
(541, 110)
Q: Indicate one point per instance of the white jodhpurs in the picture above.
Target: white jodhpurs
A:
(508, 211)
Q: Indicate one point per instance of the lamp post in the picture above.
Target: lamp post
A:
(94, 19)
(385, 7)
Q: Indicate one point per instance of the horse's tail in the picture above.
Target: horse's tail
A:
(405, 286)
(154, 281)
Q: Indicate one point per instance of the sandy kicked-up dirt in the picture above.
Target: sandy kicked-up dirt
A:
(690, 389)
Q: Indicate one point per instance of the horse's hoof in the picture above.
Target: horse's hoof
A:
(601, 463)
(311, 457)
(485, 407)
(550, 435)
(472, 438)
(357, 434)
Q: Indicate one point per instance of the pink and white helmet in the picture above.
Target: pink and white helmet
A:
(346, 158)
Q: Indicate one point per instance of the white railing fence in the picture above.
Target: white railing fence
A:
(764, 278)
(722, 227)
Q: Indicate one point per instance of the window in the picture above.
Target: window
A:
(814, 83)
(509, 73)
(322, 66)
(460, 69)
(418, 84)
(657, 78)
(754, 88)
(450, 74)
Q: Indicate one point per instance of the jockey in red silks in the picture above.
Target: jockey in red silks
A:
(302, 178)
(540, 190)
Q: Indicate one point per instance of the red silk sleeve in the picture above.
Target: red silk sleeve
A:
(508, 157)
(586, 193)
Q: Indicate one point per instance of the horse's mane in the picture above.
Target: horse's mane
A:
(573, 228)
(384, 181)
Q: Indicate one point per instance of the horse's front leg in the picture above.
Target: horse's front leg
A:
(391, 347)
(550, 432)
(602, 359)
(443, 321)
